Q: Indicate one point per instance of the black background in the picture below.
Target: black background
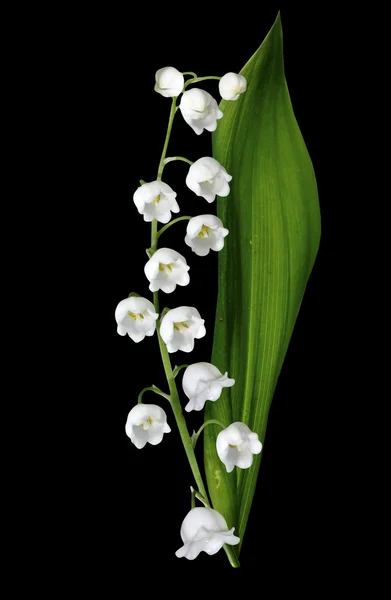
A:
(123, 507)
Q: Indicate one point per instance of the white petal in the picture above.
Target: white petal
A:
(172, 347)
(164, 217)
(154, 286)
(231, 85)
(196, 128)
(194, 226)
(136, 336)
(121, 330)
(169, 82)
(217, 244)
(187, 344)
(201, 332)
(155, 436)
(191, 550)
(198, 372)
(167, 328)
(139, 442)
(191, 406)
(241, 427)
(164, 188)
(167, 287)
(183, 279)
(204, 530)
(151, 269)
(255, 446)
(244, 459)
(152, 313)
(167, 256)
(175, 207)
(197, 247)
(224, 190)
(211, 127)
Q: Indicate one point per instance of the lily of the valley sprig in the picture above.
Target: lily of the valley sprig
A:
(203, 529)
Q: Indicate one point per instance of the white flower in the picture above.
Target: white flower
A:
(231, 85)
(205, 233)
(136, 317)
(236, 445)
(165, 270)
(169, 82)
(204, 530)
(206, 178)
(200, 110)
(203, 381)
(146, 423)
(179, 328)
(155, 200)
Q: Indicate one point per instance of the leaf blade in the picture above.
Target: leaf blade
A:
(273, 217)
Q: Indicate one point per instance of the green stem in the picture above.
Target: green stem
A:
(209, 422)
(197, 79)
(172, 158)
(152, 388)
(189, 73)
(184, 433)
(174, 397)
(154, 236)
(169, 127)
(163, 229)
(180, 419)
(177, 369)
(194, 495)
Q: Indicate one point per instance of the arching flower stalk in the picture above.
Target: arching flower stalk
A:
(203, 529)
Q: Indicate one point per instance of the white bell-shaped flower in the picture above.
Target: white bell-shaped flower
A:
(207, 178)
(204, 530)
(205, 233)
(136, 317)
(169, 82)
(203, 381)
(200, 110)
(231, 85)
(155, 200)
(236, 445)
(146, 423)
(180, 327)
(165, 270)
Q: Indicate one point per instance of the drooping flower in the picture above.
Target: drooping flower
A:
(169, 82)
(200, 110)
(231, 85)
(136, 317)
(155, 200)
(204, 530)
(203, 381)
(180, 327)
(146, 423)
(207, 178)
(236, 445)
(165, 270)
(205, 233)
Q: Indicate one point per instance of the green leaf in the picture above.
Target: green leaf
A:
(273, 217)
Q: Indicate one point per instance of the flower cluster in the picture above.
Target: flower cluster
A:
(203, 529)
